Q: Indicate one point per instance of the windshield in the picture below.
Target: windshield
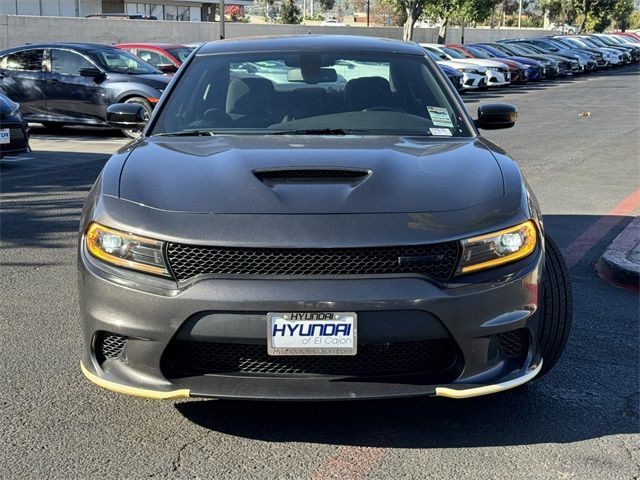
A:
(310, 93)
(181, 53)
(607, 41)
(517, 49)
(493, 50)
(121, 61)
(479, 53)
(594, 41)
(453, 53)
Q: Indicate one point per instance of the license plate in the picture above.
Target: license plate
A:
(312, 333)
(5, 135)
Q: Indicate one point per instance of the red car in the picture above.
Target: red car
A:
(165, 56)
(633, 36)
(517, 74)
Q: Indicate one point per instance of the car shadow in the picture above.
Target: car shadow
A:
(42, 196)
(592, 392)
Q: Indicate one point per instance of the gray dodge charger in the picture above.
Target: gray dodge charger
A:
(315, 218)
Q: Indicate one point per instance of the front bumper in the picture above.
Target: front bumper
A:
(474, 317)
(473, 81)
(498, 78)
(19, 138)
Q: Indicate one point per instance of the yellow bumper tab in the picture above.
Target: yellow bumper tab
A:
(487, 389)
(136, 392)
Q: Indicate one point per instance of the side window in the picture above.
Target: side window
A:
(68, 63)
(154, 58)
(26, 60)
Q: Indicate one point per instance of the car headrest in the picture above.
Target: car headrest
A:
(249, 95)
(367, 92)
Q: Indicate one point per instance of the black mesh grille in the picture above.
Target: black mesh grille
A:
(109, 345)
(311, 174)
(18, 140)
(379, 359)
(515, 343)
(435, 260)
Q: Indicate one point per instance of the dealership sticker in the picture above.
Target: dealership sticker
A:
(440, 117)
(440, 131)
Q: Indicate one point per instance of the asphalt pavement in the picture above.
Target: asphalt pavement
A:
(580, 421)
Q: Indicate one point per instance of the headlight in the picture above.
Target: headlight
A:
(126, 250)
(15, 111)
(498, 248)
(469, 70)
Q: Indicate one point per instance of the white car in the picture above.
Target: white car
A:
(497, 73)
(473, 76)
(332, 22)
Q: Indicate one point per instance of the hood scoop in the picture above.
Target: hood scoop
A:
(280, 176)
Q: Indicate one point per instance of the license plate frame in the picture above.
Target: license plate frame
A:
(292, 324)
(5, 136)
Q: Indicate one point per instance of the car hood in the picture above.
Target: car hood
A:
(459, 64)
(155, 80)
(397, 174)
(485, 62)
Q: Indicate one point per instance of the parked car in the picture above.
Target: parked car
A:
(623, 56)
(534, 68)
(166, 57)
(569, 63)
(598, 55)
(612, 57)
(455, 77)
(497, 73)
(61, 84)
(14, 134)
(370, 245)
(632, 49)
(552, 66)
(332, 22)
(473, 76)
(517, 71)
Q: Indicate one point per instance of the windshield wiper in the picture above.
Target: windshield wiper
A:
(318, 131)
(186, 133)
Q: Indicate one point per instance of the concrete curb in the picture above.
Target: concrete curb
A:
(620, 263)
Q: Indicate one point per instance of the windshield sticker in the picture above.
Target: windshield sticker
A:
(440, 131)
(440, 117)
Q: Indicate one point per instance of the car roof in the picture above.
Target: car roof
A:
(162, 46)
(323, 43)
(86, 47)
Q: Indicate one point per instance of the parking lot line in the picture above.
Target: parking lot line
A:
(589, 238)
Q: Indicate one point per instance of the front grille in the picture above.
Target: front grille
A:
(435, 260)
(109, 345)
(18, 140)
(514, 343)
(376, 359)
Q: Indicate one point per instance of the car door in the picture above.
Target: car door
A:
(154, 58)
(71, 96)
(22, 80)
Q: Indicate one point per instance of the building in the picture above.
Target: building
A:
(182, 10)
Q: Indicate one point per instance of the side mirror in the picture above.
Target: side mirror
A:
(493, 116)
(127, 116)
(91, 72)
(168, 68)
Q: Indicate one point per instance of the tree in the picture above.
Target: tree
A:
(621, 14)
(289, 12)
(327, 5)
(466, 11)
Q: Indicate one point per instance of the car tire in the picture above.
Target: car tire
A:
(556, 306)
(53, 126)
(147, 107)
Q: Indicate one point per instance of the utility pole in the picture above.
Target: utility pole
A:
(221, 19)
(368, 10)
(520, 14)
